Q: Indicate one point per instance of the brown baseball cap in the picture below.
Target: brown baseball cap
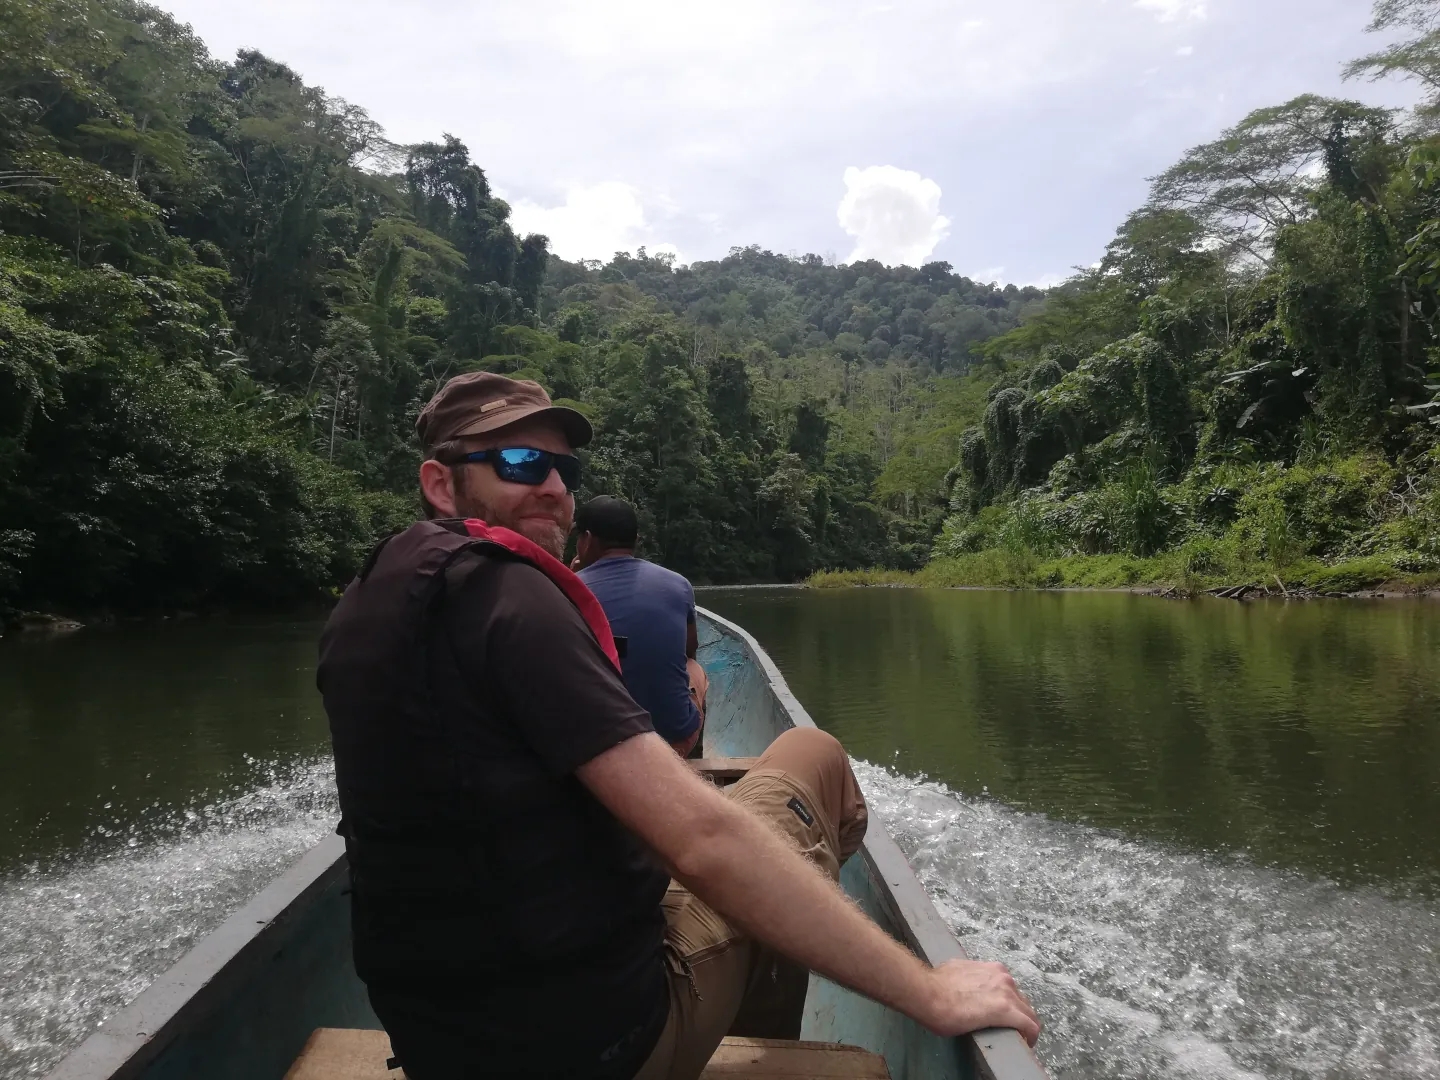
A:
(482, 401)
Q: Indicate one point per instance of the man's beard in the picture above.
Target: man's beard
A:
(549, 535)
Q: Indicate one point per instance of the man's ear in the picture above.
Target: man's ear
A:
(584, 546)
(437, 482)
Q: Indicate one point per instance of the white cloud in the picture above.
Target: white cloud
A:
(593, 222)
(893, 214)
(744, 109)
(1185, 50)
(1173, 10)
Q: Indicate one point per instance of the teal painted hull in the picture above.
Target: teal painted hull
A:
(240, 1005)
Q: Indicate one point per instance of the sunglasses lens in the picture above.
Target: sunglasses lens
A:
(522, 465)
(569, 469)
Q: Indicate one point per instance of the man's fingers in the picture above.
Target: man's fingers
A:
(1029, 1023)
(1013, 1010)
(994, 999)
(1025, 1022)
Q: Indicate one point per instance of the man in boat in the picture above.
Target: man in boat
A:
(654, 610)
(541, 887)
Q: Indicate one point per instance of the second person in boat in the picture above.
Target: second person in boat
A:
(653, 609)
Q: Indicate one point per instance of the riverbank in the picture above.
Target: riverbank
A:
(64, 620)
(1171, 572)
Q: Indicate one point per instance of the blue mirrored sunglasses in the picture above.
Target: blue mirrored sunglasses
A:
(526, 465)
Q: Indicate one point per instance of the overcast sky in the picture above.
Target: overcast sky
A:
(1008, 139)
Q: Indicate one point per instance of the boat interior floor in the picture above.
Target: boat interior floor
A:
(354, 1054)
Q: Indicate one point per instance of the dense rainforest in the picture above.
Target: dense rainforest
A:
(1245, 387)
(225, 294)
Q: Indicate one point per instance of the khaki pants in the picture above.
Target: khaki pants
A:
(802, 785)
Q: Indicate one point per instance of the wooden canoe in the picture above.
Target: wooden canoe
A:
(242, 1004)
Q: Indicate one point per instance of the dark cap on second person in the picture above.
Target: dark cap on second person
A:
(481, 402)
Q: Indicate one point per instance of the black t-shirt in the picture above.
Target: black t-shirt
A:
(527, 653)
(545, 959)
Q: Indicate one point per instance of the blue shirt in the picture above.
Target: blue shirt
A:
(652, 608)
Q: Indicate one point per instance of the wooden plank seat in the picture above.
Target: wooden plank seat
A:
(344, 1054)
(355, 1054)
(789, 1059)
(722, 770)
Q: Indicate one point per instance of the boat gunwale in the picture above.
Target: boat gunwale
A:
(201, 980)
(995, 1053)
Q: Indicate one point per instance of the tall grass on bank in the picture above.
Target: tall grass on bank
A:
(1184, 569)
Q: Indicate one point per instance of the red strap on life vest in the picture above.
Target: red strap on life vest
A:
(575, 590)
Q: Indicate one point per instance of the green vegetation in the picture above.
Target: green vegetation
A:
(215, 323)
(771, 416)
(224, 296)
(1172, 572)
(1245, 388)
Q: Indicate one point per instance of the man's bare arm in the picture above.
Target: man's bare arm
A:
(733, 861)
(692, 639)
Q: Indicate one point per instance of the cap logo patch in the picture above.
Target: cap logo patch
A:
(491, 406)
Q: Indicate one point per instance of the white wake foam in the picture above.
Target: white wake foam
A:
(82, 938)
(1150, 962)
(1144, 961)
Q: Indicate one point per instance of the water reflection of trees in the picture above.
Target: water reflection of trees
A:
(1307, 734)
(146, 718)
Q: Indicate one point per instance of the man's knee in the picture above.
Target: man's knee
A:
(805, 744)
(816, 760)
(699, 683)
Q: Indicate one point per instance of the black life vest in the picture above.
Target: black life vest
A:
(446, 905)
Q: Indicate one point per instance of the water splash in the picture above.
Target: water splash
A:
(1145, 961)
(86, 934)
(1150, 962)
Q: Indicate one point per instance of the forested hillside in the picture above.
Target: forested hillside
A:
(1243, 389)
(772, 416)
(224, 296)
(1246, 385)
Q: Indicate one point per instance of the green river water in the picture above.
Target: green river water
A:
(1206, 835)
(1305, 734)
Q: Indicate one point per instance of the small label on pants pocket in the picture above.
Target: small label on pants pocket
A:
(800, 811)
